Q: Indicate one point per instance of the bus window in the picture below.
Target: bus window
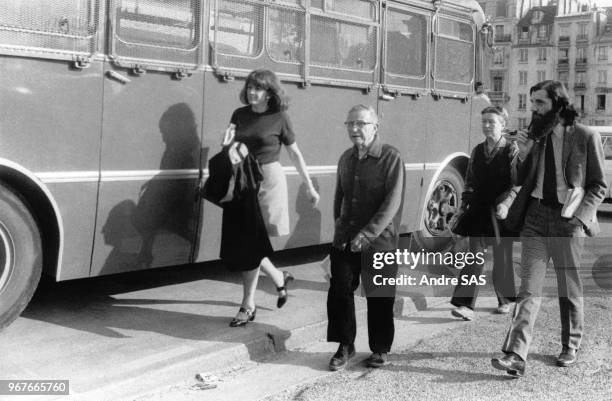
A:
(167, 32)
(55, 28)
(238, 28)
(357, 8)
(454, 66)
(406, 43)
(344, 46)
(286, 35)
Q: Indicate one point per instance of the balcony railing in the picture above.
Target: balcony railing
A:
(580, 85)
(564, 39)
(498, 96)
(524, 41)
(503, 38)
(582, 60)
(583, 37)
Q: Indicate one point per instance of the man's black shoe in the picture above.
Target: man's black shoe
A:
(376, 360)
(511, 363)
(341, 357)
(567, 357)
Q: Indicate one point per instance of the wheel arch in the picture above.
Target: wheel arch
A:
(43, 207)
(457, 160)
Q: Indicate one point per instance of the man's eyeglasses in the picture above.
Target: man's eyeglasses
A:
(358, 123)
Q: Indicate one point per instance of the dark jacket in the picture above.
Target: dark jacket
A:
(583, 166)
(244, 239)
(488, 183)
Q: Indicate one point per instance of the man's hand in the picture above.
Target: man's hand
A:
(358, 242)
(501, 211)
(523, 142)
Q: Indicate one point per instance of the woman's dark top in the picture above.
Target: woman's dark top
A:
(263, 133)
(488, 181)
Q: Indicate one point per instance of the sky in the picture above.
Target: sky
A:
(603, 3)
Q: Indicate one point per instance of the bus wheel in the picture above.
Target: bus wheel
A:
(442, 205)
(20, 256)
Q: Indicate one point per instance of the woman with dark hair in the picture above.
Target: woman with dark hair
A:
(488, 194)
(263, 126)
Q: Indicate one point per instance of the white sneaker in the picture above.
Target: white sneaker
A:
(463, 312)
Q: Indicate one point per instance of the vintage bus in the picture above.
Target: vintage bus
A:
(109, 111)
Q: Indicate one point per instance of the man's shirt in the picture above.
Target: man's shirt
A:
(369, 196)
(557, 141)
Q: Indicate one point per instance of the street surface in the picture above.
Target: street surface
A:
(145, 336)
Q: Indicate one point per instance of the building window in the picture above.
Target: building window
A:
(522, 101)
(537, 17)
(601, 102)
(522, 77)
(500, 9)
(524, 33)
(581, 55)
(541, 76)
(522, 123)
(579, 103)
(602, 77)
(602, 53)
(541, 54)
(498, 84)
(542, 31)
(523, 55)
(499, 55)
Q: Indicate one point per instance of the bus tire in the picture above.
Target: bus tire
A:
(20, 256)
(442, 205)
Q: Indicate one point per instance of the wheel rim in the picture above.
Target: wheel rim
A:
(6, 256)
(441, 207)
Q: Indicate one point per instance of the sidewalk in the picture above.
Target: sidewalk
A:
(121, 337)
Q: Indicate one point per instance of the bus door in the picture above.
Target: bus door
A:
(403, 100)
(151, 140)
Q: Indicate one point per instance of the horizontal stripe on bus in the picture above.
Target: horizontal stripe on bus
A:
(143, 175)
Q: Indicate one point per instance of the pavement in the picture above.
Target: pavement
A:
(139, 335)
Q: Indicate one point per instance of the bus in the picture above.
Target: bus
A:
(110, 110)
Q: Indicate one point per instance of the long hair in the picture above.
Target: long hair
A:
(267, 80)
(560, 100)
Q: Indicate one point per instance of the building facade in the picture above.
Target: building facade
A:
(535, 41)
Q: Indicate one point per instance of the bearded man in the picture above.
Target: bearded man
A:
(559, 160)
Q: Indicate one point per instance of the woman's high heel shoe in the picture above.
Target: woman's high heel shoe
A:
(250, 316)
(282, 299)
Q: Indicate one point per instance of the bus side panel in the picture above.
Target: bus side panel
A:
(411, 136)
(148, 210)
(450, 121)
(50, 117)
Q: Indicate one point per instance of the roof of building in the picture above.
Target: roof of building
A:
(547, 18)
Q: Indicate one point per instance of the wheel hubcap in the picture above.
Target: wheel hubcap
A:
(6, 256)
(441, 208)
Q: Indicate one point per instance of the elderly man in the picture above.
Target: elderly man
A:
(367, 211)
(559, 160)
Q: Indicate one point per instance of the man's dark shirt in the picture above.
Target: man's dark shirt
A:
(369, 196)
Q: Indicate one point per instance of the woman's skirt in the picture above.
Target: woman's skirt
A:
(273, 199)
